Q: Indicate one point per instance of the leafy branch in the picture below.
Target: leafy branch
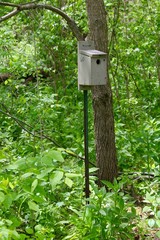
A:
(37, 134)
(33, 5)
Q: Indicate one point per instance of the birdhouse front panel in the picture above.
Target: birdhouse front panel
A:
(98, 70)
(92, 68)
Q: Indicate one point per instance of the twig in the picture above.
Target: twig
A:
(38, 134)
(138, 175)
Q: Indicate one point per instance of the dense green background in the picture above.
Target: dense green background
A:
(41, 126)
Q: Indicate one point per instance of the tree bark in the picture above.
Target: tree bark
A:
(102, 97)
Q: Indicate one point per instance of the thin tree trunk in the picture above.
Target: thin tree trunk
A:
(102, 98)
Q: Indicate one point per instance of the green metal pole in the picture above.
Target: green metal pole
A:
(86, 144)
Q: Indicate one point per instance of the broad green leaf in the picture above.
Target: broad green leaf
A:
(8, 222)
(33, 206)
(29, 230)
(11, 185)
(47, 161)
(55, 179)
(158, 234)
(18, 165)
(2, 155)
(15, 234)
(2, 197)
(51, 156)
(73, 175)
(75, 211)
(151, 222)
(158, 223)
(158, 214)
(147, 209)
(56, 155)
(38, 227)
(34, 185)
(94, 169)
(68, 182)
(102, 212)
(123, 225)
(16, 222)
(4, 233)
(45, 172)
(26, 175)
(7, 201)
(121, 203)
(60, 204)
(5, 182)
(108, 184)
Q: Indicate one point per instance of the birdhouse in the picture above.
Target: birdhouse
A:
(91, 68)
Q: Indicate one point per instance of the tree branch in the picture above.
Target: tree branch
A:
(38, 134)
(9, 4)
(28, 6)
(9, 15)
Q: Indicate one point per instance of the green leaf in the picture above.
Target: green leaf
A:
(33, 206)
(34, 185)
(151, 222)
(45, 172)
(8, 201)
(57, 156)
(158, 214)
(16, 222)
(18, 165)
(75, 210)
(121, 203)
(108, 184)
(2, 197)
(147, 209)
(158, 223)
(102, 212)
(15, 235)
(94, 169)
(2, 155)
(123, 225)
(68, 182)
(60, 204)
(158, 234)
(55, 179)
(51, 156)
(38, 227)
(73, 175)
(29, 230)
(26, 175)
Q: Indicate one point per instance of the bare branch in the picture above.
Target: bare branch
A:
(22, 124)
(28, 6)
(9, 15)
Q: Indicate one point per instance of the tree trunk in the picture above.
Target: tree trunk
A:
(102, 97)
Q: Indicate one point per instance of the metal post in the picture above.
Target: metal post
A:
(86, 144)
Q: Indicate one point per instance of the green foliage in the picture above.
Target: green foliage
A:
(41, 126)
(139, 146)
(153, 211)
(43, 199)
(133, 46)
(108, 215)
(32, 198)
